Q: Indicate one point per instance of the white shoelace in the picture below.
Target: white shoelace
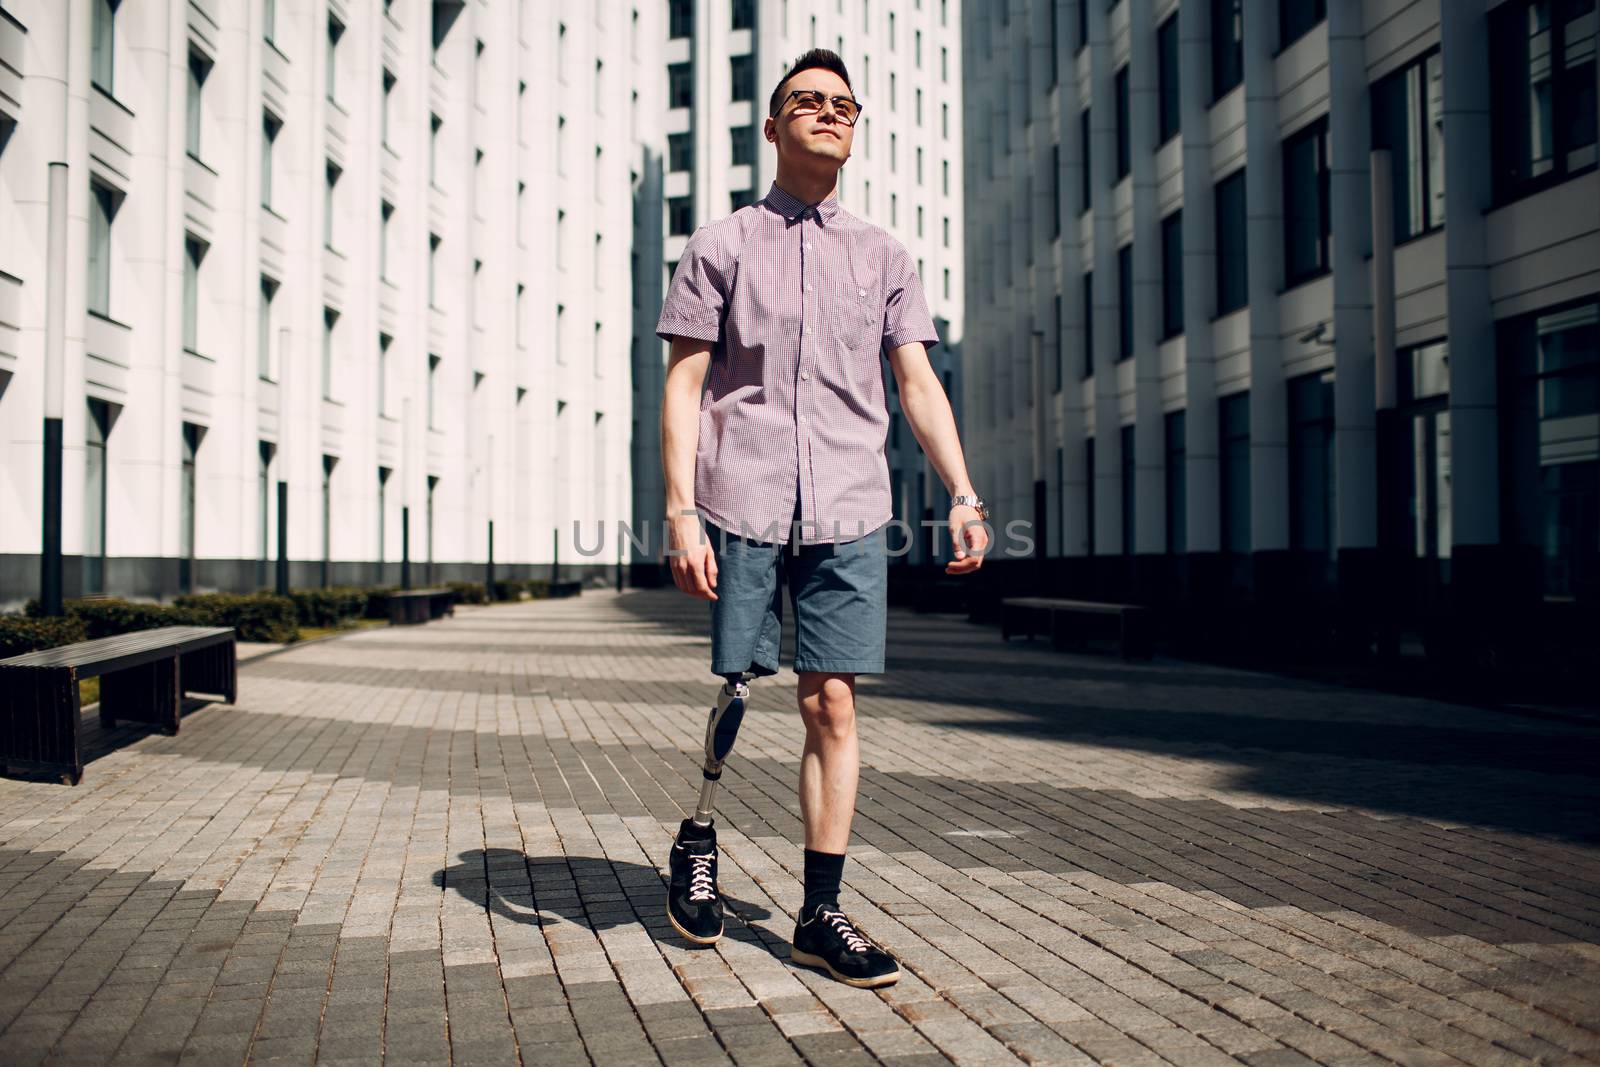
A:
(842, 925)
(700, 885)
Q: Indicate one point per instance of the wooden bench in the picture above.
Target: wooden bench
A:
(143, 677)
(409, 607)
(1020, 614)
(558, 590)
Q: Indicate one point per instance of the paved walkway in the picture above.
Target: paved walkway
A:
(442, 844)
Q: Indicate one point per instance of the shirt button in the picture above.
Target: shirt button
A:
(805, 375)
(809, 287)
(808, 329)
(808, 246)
(861, 292)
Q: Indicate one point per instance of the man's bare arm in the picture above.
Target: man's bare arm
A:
(694, 570)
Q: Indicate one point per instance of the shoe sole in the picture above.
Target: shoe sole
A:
(808, 960)
(687, 936)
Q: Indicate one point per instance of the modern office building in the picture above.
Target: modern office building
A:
(722, 59)
(377, 253)
(1296, 302)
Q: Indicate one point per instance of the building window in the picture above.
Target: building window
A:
(1297, 17)
(95, 431)
(680, 19)
(1085, 181)
(740, 198)
(1542, 64)
(335, 31)
(1424, 391)
(269, 289)
(383, 515)
(945, 179)
(1232, 275)
(946, 227)
(561, 334)
(384, 341)
(1172, 275)
(1169, 105)
(102, 45)
(1305, 203)
(388, 103)
(269, 18)
(680, 85)
(599, 86)
(1124, 302)
(1550, 411)
(520, 325)
(328, 463)
(192, 435)
(1311, 483)
(743, 76)
(433, 391)
(103, 205)
(744, 14)
(264, 451)
(947, 283)
(1227, 46)
(944, 65)
(385, 213)
(743, 139)
(1233, 431)
(1177, 482)
(1408, 120)
(433, 487)
(330, 205)
(595, 350)
(680, 147)
(1087, 369)
(194, 251)
(199, 67)
(1130, 509)
(561, 52)
(433, 270)
(330, 319)
(561, 144)
(680, 216)
(1124, 134)
(269, 134)
(435, 123)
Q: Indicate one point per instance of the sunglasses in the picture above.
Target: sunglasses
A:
(809, 101)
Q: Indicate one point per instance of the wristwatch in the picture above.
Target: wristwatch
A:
(972, 501)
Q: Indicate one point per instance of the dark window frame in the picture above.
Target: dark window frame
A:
(1315, 134)
(1169, 93)
(1236, 251)
(1172, 279)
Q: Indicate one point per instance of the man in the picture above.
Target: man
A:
(789, 302)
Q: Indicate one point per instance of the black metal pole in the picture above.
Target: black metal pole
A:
(1041, 535)
(283, 539)
(405, 547)
(50, 551)
(555, 557)
(488, 572)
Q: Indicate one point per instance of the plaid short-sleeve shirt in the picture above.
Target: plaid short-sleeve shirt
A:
(799, 302)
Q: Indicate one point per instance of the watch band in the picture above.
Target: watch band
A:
(973, 502)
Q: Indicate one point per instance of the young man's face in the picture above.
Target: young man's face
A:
(818, 137)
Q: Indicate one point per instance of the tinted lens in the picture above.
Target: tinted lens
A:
(845, 108)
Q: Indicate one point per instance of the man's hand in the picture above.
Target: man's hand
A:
(970, 541)
(694, 570)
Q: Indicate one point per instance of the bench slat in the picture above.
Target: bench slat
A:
(1051, 603)
(109, 652)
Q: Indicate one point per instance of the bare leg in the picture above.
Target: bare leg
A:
(830, 763)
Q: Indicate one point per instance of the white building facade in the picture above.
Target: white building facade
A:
(722, 59)
(378, 252)
(1223, 349)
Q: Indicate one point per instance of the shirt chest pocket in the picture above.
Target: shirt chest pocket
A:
(856, 304)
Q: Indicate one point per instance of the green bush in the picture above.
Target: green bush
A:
(256, 617)
(106, 617)
(509, 588)
(19, 634)
(328, 607)
(468, 592)
(378, 601)
(538, 588)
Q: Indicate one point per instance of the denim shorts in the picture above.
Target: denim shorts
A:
(839, 593)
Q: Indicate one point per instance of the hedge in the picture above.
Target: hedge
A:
(256, 617)
(328, 607)
(469, 592)
(19, 634)
(110, 616)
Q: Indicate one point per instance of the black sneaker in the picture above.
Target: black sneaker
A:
(830, 941)
(693, 904)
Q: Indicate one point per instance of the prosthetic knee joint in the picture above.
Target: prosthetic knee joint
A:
(721, 728)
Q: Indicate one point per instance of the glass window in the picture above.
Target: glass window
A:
(1408, 120)
(1088, 325)
(1311, 479)
(1305, 203)
(102, 44)
(1130, 509)
(95, 430)
(680, 149)
(433, 390)
(1085, 180)
(198, 69)
(1232, 274)
(680, 19)
(1083, 41)
(330, 204)
(1177, 482)
(743, 76)
(1296, 18)
(269, 18)
(744, 14)
(269, 289)
(1542, 66)
(1124, 302)
(264, 452)
(1550, 411)
(1169, 103)
(1055, 196)
(1172, 275)
(103, 204)
(335, 31)
(741, 198)
(1227, 46)
(192, 435)
(330, 319)
(193, 252)
(680, 85)
(385, 213)
(269, 134)
(1124, 134)
(1233, 429)
(744, 145)
(383, 117)
(680, 216)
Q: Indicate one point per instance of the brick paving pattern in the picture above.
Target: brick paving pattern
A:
(444, 844)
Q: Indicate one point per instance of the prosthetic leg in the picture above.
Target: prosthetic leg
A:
(694, 905)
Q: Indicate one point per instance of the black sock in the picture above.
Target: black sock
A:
(823, 870)
(688, 830)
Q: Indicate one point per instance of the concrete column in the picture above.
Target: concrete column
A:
(1269, 452)
(1202, 527)
(1102, 150)
(1474, 435)
(1355, 425)
(1150, 498)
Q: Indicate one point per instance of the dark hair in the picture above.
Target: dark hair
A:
(817, 58)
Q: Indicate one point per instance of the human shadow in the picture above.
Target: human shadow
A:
(589, 891)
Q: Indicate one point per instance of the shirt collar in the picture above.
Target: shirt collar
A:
(790, 206)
